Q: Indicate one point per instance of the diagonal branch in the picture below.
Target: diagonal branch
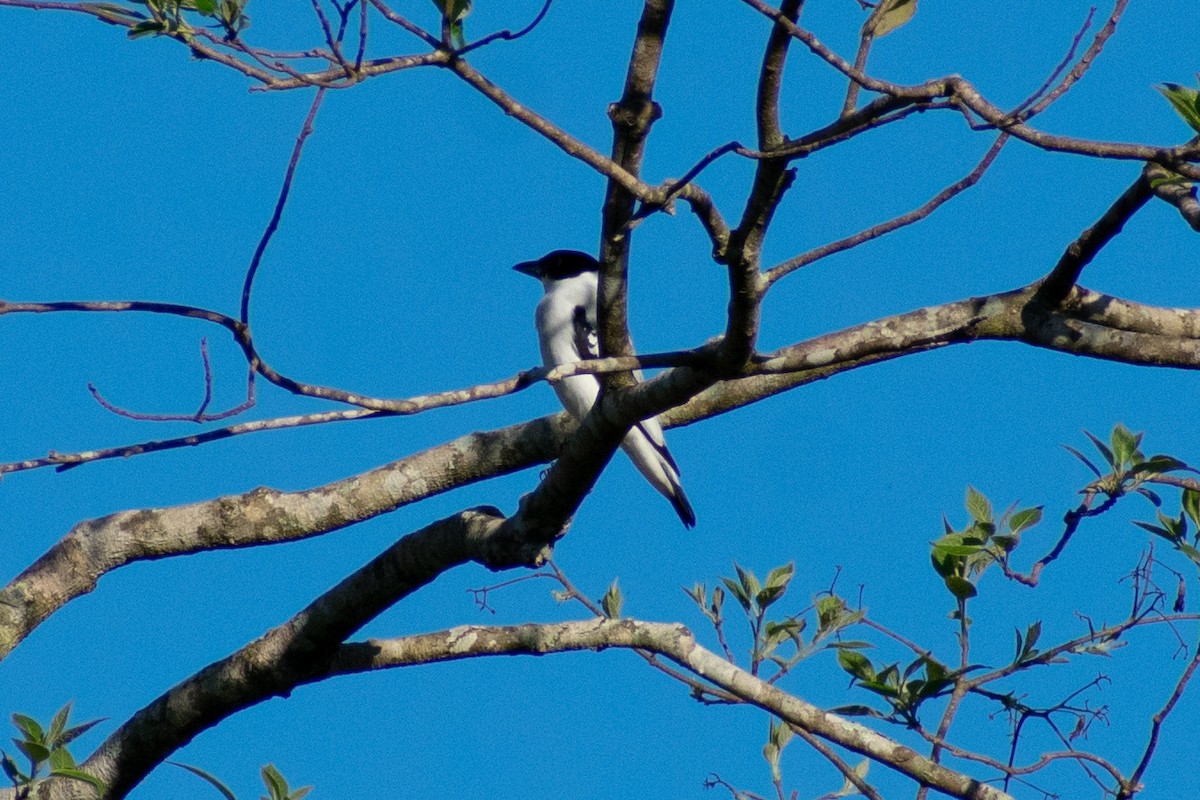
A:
(883, 228)
(963, 93)
(1058, 284)
(290, 654)
(677, 644)
(305, 131)
(631, 117)
(1086, 324)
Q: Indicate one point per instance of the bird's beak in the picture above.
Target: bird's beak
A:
(531, 268)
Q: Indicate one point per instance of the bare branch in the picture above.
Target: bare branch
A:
(865, 789)
(676, 643)
(1057, 285)
(1156, 722)
(1086, 60)
(632, 117)
(290, 654)
(961, 91)
(506, 35)
(556, 135)
(415, 30)
(64, 461)
(305, 131)
(883, 228)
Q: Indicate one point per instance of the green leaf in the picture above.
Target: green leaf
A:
(1082, 458)
(780, 577)
(891, 14)
(12, 770)
(777, 632)
(206, 7)
(780, 734)
(738, 593)
(30, 727)
(771, 754)
(612, 601)
(1157, 531)
(955, 549)
(301, 793)
(453, 10)
(150, 27)
(748, 580)
(1159, 464)
(1191, 505)
(61, 759)
(1028, 650)
(769, 595)
(1025, 519)
(1185, 101)
(36, 752)
(71, 734)
(856, 710)
(1103, 448)
(58, 724)
(978, 506)
(856, 664)
(273, 779)
(961, 588)
(1124, 444)
(1191, 552)
(848, 788)
(225, 791)
(829, 611)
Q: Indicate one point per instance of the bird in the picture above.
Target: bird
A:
(566, 328)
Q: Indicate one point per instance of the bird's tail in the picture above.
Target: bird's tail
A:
(648, 451)
(682, 507)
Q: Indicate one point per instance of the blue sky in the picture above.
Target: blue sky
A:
(131, 171)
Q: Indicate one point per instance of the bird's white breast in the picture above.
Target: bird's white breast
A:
(556, 334)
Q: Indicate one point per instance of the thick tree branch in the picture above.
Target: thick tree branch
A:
(1087, 324)
(1079, 253)
(94, 547)
(289, 655)
(631, 117)
(677, 644)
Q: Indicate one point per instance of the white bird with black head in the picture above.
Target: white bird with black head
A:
(566, 327)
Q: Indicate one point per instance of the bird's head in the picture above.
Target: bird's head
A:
(559, 265)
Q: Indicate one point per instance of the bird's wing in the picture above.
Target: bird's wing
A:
(586, 343)
(653, 433)
(588, 346)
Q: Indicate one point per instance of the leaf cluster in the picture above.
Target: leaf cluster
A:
(961, 556)
(46, 748)
(167, 17)
(272, 778)
(1129, 471)
(922, 679)
(768, 633)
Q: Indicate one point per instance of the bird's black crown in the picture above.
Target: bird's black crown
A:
(559, 265)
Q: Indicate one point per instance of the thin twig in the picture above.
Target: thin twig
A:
(1085, 61)
(1058, 70)
(305, 130)
(883, 228)
(864, 788)
(1156, 722)
(506, 35)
